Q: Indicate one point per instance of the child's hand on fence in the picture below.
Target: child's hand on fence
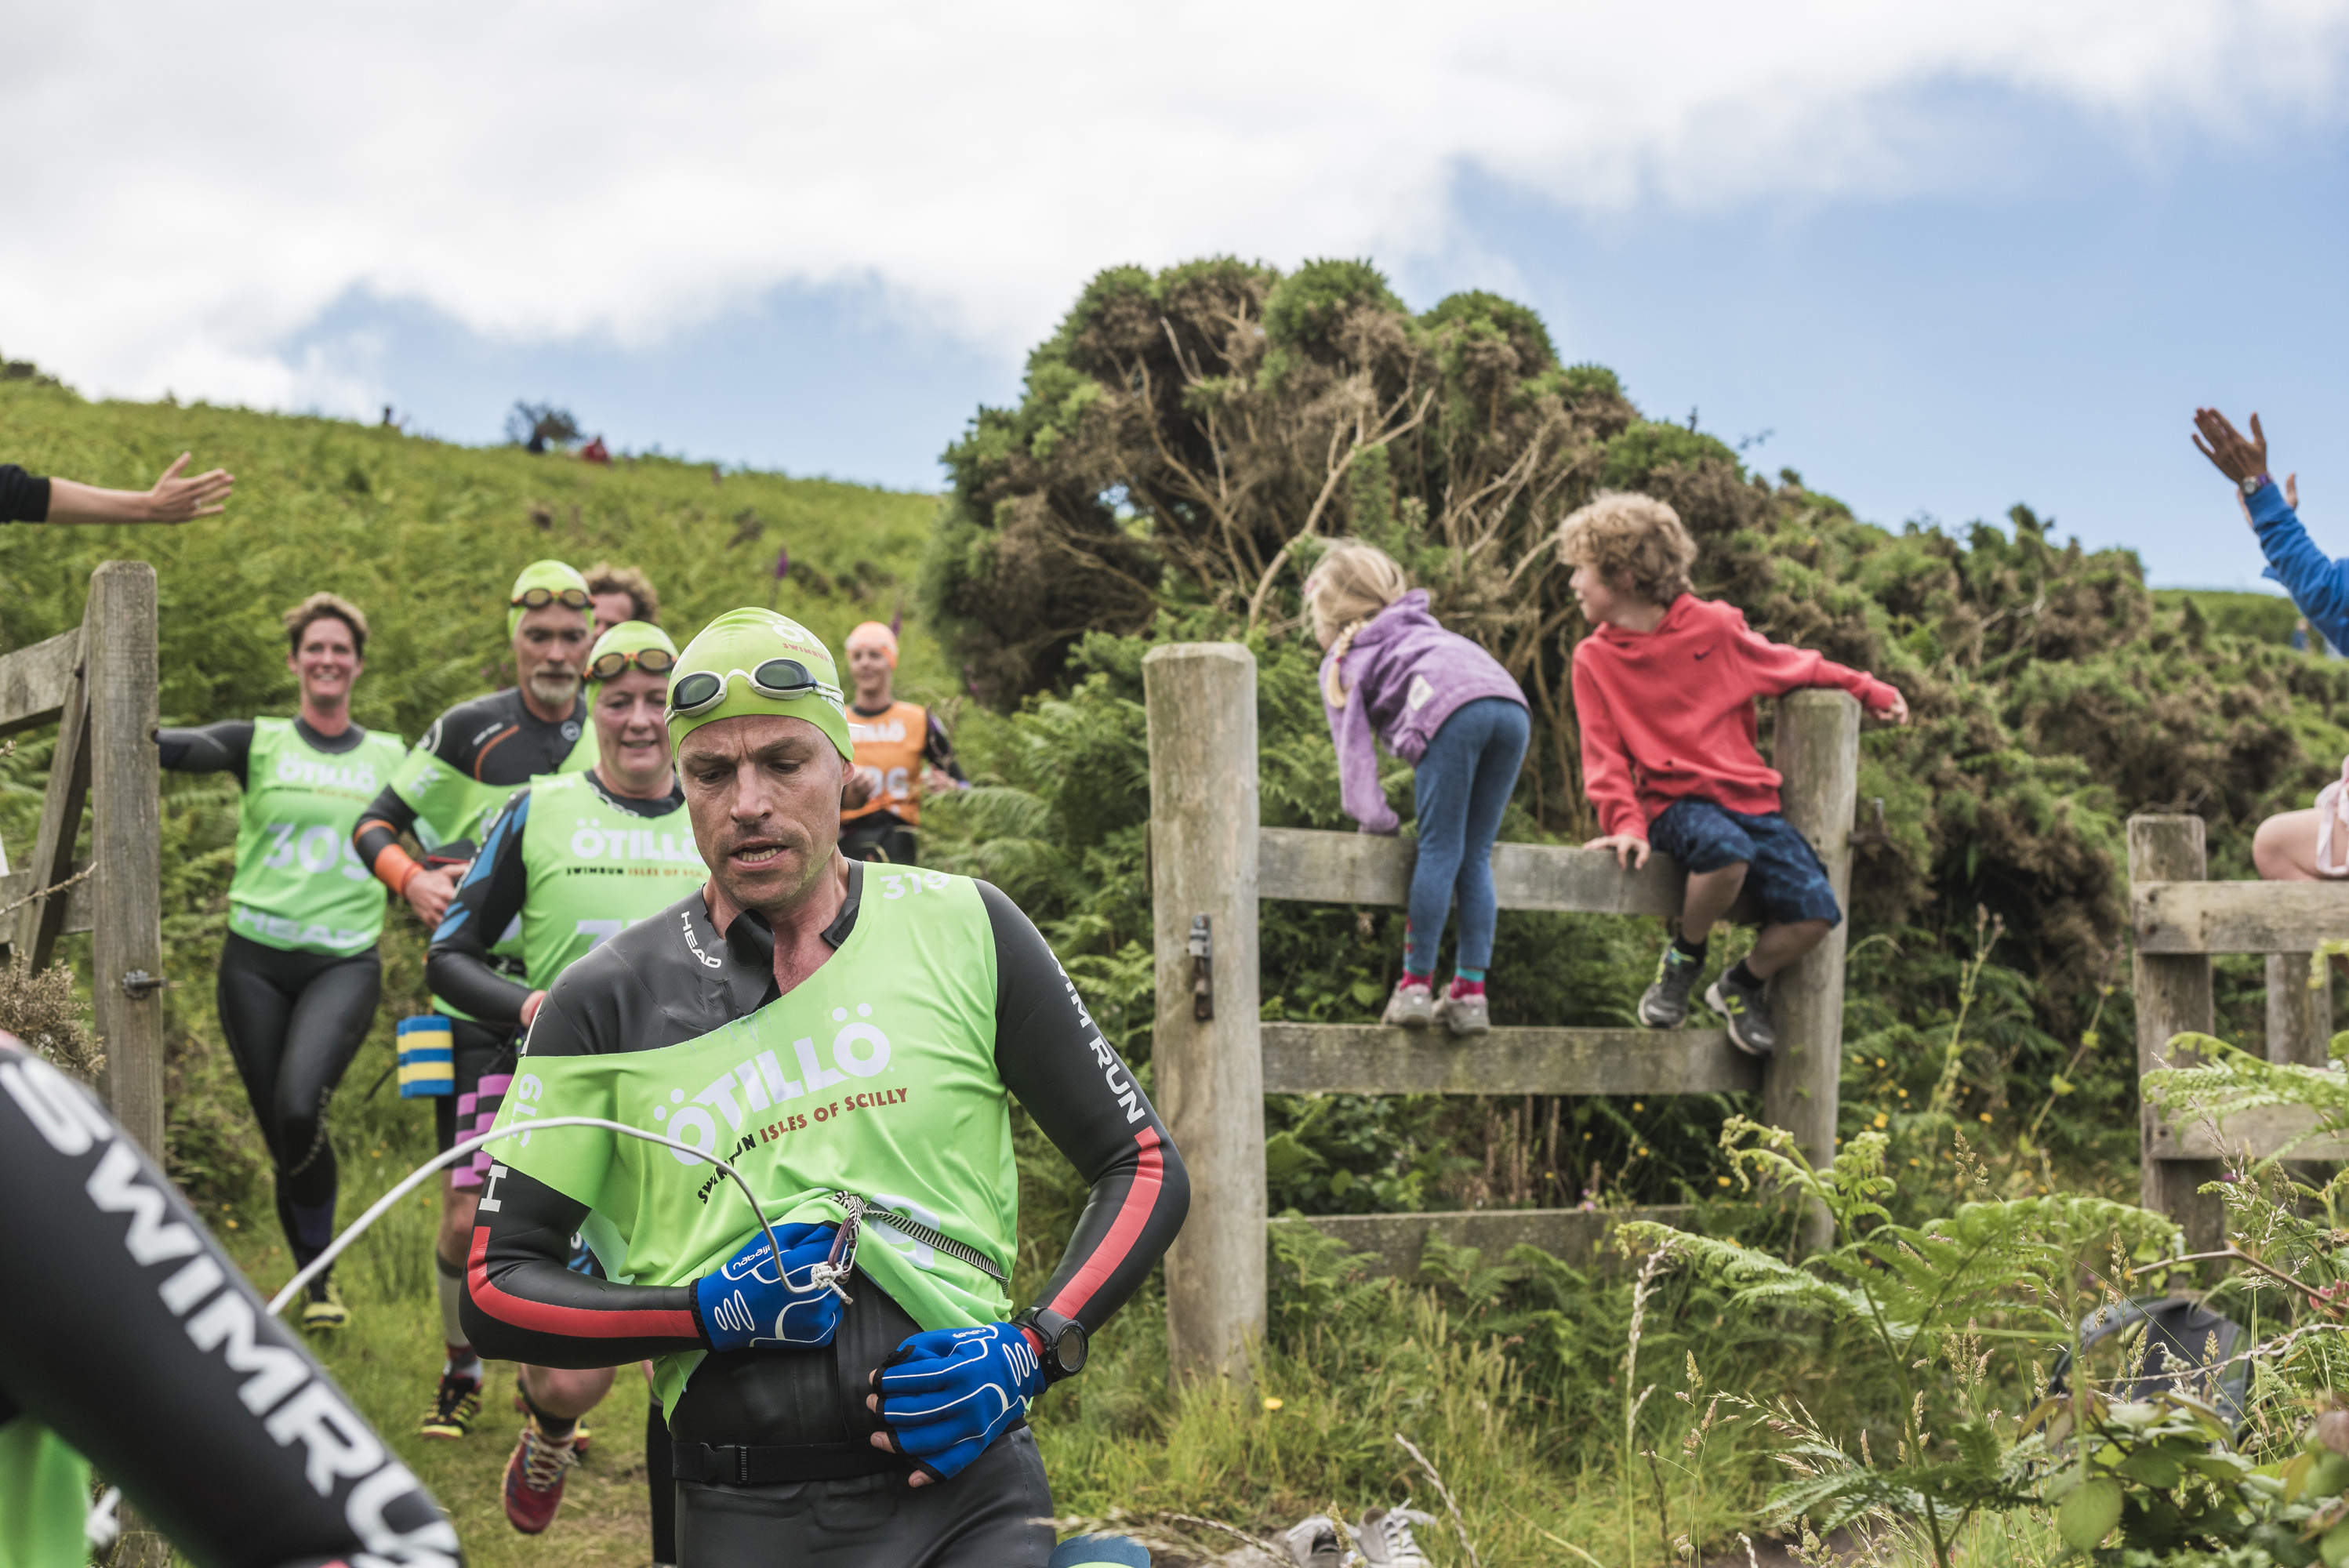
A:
(1630, 853)
(1893, 712)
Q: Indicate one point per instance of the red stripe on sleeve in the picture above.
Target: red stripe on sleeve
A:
(1140, 1198)
(570, 1322)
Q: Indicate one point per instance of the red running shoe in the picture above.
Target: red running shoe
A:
(534, 1477)
(580, 1435)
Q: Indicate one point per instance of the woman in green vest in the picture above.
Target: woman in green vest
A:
(298, 972)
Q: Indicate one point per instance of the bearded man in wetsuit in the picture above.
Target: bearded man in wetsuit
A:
(850, 1037)
(445, 792)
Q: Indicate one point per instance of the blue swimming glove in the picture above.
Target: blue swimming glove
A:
(753, 1304)
(948, 1393)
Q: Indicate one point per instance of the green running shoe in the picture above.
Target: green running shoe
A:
(323, 1311)
(1666, 1004)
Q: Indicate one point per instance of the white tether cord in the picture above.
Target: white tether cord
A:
(382, 1205)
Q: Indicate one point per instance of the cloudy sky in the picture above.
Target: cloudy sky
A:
(1939, 258)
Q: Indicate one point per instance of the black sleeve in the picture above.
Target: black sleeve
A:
(488, 900)
(522, 1302)
(23, 498)
(221, 747)
(1052, 1058)
(386, 817)
(938, 752)
(127, 1330)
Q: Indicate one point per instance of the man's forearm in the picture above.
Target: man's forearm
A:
(73, 502)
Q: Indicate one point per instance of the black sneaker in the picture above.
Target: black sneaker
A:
(1745, 1011)
(455, 1406)
(1666, 1004)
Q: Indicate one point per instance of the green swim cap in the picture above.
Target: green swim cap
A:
(627, 637)
(738, 643)
(552, 575)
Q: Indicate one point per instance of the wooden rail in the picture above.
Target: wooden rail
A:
(1371, 1058)
(2180, 921)
(1316, 867)
(1395, 1242)
(1211, 864)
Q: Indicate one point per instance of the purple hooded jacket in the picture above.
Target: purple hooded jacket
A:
(1404, 677)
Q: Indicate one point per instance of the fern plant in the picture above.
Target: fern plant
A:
(1937, 1304)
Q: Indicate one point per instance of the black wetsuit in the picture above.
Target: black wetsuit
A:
(128, 1332)
(676, 977)
(294, 1020)
(23, 496)
(494, 739)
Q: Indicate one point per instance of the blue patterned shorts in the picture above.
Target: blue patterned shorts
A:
(1783, 872)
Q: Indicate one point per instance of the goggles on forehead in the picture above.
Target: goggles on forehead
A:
(540, 598)
(611, 665)
(779, 679)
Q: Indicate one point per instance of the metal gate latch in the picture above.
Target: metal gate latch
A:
(1203, 968)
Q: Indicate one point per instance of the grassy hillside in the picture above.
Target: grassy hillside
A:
(426, 537)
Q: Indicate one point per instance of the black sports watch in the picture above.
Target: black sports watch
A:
(1065, 1341)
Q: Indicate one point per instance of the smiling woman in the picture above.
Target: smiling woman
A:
(299, 977)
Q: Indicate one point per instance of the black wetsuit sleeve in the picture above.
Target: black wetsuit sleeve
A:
(1051, 1056)
(23, 496)
(523, 1303)
(121, 1302)
(938, 751)
(488, 900)
(222, 747)
(387, 816)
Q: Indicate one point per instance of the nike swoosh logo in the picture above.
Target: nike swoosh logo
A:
(1705, 654)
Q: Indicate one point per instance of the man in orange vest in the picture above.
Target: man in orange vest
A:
(901, 753)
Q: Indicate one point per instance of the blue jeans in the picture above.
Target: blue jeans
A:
(1461, 788)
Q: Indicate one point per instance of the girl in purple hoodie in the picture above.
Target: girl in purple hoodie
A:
(1447, 708)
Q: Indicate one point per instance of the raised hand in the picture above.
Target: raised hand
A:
(172, 499)
(2219, 441)
(753, 1305)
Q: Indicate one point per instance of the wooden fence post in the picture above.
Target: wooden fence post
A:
(1817, 750)
(2173, 995)
(1201, 702)
(2300, 1015)
(118, 650)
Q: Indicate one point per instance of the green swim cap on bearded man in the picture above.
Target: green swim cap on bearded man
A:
(549, 582)
(755, 660)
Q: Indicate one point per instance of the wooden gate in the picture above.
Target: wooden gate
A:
(97, 683)
(1211, 861)
(2179, 919)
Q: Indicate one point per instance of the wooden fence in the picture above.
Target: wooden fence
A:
(96, 685)
(1210, 863)
(2180, 919)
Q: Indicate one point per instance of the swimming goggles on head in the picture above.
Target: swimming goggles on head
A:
(779, 679)
(540, 598)
(611, 665)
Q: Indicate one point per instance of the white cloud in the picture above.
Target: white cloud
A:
(192, 186)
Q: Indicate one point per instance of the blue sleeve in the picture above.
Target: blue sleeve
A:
(2318, 584)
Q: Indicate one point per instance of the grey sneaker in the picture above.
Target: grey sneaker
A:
(1463, 1014)
(1410, 1008)
(1666, 1004)
(1745, 1010)
(1384, 1536)
(1313, 1542)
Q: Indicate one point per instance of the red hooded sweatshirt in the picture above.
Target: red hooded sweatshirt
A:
(1667, 715)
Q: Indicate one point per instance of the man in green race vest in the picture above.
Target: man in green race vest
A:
(851, 1037)
(459, 776)
(299, 977)
(576, 858)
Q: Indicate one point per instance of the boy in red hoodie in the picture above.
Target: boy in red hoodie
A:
(1664, 689)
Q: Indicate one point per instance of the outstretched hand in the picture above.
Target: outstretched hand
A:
(172, 499)
(1630, 853)
(2218, 439)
